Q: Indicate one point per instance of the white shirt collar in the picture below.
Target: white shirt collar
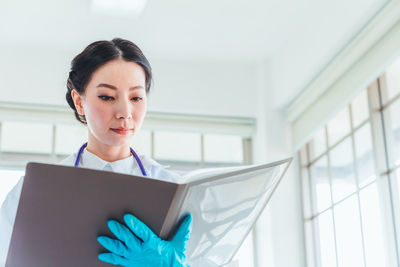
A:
(126, 165)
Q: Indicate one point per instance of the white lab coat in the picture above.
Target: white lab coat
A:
(88, 160)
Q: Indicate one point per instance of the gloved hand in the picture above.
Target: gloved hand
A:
(151, 250)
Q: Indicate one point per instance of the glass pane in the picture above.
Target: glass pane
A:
(8, 178)
(177, 146)
(359, 108)
(141, 142)
(26, 137)
(393, 79)
(393, 135)
(326, 240)
(348, 233)
(223, 148)
(69, 138)
(372, 220)
(320, 184)
(365, 155)
(318, 144)
(342, 171)
(339, 126)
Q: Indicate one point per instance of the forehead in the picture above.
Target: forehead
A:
(119, 72)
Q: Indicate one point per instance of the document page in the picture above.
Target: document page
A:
(224, 212)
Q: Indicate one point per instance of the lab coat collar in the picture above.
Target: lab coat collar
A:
(126, 165)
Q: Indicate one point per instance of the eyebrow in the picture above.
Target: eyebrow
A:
(115, 88)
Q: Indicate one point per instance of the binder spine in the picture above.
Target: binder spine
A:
(170, 224)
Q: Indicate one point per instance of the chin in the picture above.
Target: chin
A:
(122, 141)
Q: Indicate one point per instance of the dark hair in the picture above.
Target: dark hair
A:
(94, 56)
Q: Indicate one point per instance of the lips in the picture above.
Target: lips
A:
(122, 131)
(122, 128)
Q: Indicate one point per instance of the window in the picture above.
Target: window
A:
(13, 175)
(350, 173)
(143, 142)
(75, 134)
(16, 140)
(222, 149)
(173, 146)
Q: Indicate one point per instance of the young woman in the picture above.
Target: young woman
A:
(107, 88)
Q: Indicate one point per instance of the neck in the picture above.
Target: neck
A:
(107, 152)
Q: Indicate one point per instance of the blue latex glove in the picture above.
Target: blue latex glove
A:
(130, 251)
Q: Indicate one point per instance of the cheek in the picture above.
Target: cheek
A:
(97, 114)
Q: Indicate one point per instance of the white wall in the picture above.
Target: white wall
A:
(38, 75)
(33, 75)
(210, 88)
(279, 232)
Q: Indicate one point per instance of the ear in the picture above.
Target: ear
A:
(76, 97)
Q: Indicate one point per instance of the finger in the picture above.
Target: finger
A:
(124, 234)
(183, 234)
(140, 229)
(115, 246)
(113, 259)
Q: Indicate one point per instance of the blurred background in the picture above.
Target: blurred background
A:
(235, 82)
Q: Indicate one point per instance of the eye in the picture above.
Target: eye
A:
(106, 98)
(137, 99)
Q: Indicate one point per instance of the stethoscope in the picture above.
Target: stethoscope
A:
(139, 162)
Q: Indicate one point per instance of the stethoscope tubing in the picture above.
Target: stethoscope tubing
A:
(139, 162)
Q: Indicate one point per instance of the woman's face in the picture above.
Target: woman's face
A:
(115, 102)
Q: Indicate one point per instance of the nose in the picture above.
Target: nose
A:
(124, 110)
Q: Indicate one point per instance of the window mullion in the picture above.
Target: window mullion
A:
(202, 162)
(330, 184)
(1, 131)
(152, 144)
(384, 153)
(247, 159)
(356, 174)
(315, 253)
(53, 144)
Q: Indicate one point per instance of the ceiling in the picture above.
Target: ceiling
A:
(297, 39)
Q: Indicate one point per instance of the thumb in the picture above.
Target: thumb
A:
(183, 234)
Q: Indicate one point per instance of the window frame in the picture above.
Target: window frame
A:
(388, 193)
